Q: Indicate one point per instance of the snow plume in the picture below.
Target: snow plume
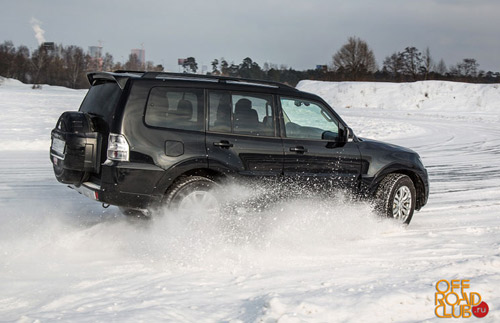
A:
(39, 32)
(257, 227)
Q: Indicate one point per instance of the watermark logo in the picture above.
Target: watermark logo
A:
(453, 299)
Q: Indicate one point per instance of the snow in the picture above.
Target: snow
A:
(63, 257)
(425, 96)
(28, 115)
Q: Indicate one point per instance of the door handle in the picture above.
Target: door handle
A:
(223, 144)
(298, 149)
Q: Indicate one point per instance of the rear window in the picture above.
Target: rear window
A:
(101, 100)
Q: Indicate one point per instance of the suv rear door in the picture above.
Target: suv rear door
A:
(242, 135)
(314, 144)
(174, 119)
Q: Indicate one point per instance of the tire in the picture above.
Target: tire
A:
(68, 176)
(193, 192)
(395, 198)
(72, 169)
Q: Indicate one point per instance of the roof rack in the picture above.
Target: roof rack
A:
(129, 72)
(213, 78)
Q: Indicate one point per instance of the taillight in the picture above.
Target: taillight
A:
(118, 148)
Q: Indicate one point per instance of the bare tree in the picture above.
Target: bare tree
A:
(441, 67)
(413, 63)
(22, 64)
(40, 59)
(7, 54)
(215, 67)
(190, 65)
(75, 63)
(428, 65)
(409, 63)
(107, 62)
(468, 67)
(151, 67)
(355, 58)
(133, 63)
(224, 67)
(393, 64)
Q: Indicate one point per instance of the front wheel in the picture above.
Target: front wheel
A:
(395, 198)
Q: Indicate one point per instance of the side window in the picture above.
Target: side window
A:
(308, 120)
(220, 116)
(175, 108)
(241, 113)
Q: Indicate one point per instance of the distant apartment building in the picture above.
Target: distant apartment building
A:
(141, 55)
(52, 49)
(95, 53)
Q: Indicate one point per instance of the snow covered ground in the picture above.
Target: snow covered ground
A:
(63, 257)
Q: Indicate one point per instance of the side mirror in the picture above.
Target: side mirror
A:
(349, 134)
(329, 135)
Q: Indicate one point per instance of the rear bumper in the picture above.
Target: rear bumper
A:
(88, 189)
(124, 199)
(129, 185)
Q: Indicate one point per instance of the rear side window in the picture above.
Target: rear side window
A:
(241, 113)
(175, 108)
(101, 100)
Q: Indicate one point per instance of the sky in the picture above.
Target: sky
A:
(298, 33)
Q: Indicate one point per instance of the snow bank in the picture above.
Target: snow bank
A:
(28, 115)
(425, 96)
(10, 82)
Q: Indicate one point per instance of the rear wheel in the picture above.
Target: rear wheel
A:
(192, 197)
(395, 198)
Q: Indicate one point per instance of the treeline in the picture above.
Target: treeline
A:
(60, 65)
(354, 61)
(271, 72)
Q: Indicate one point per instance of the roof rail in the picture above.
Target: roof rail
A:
(220, 79)
(129, 71)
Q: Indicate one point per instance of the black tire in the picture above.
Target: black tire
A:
(395, 198)
(184, 187)
(68, 176)
(71, 122)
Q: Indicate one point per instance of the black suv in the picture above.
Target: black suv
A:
(143, 139)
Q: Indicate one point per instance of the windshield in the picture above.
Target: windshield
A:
(101, 100)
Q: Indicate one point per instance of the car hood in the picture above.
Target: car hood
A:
(386, 146)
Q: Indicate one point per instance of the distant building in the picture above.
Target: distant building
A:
(141, 55)
(323, 68)
(49, 45)
(51, 49)
(95, 53)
